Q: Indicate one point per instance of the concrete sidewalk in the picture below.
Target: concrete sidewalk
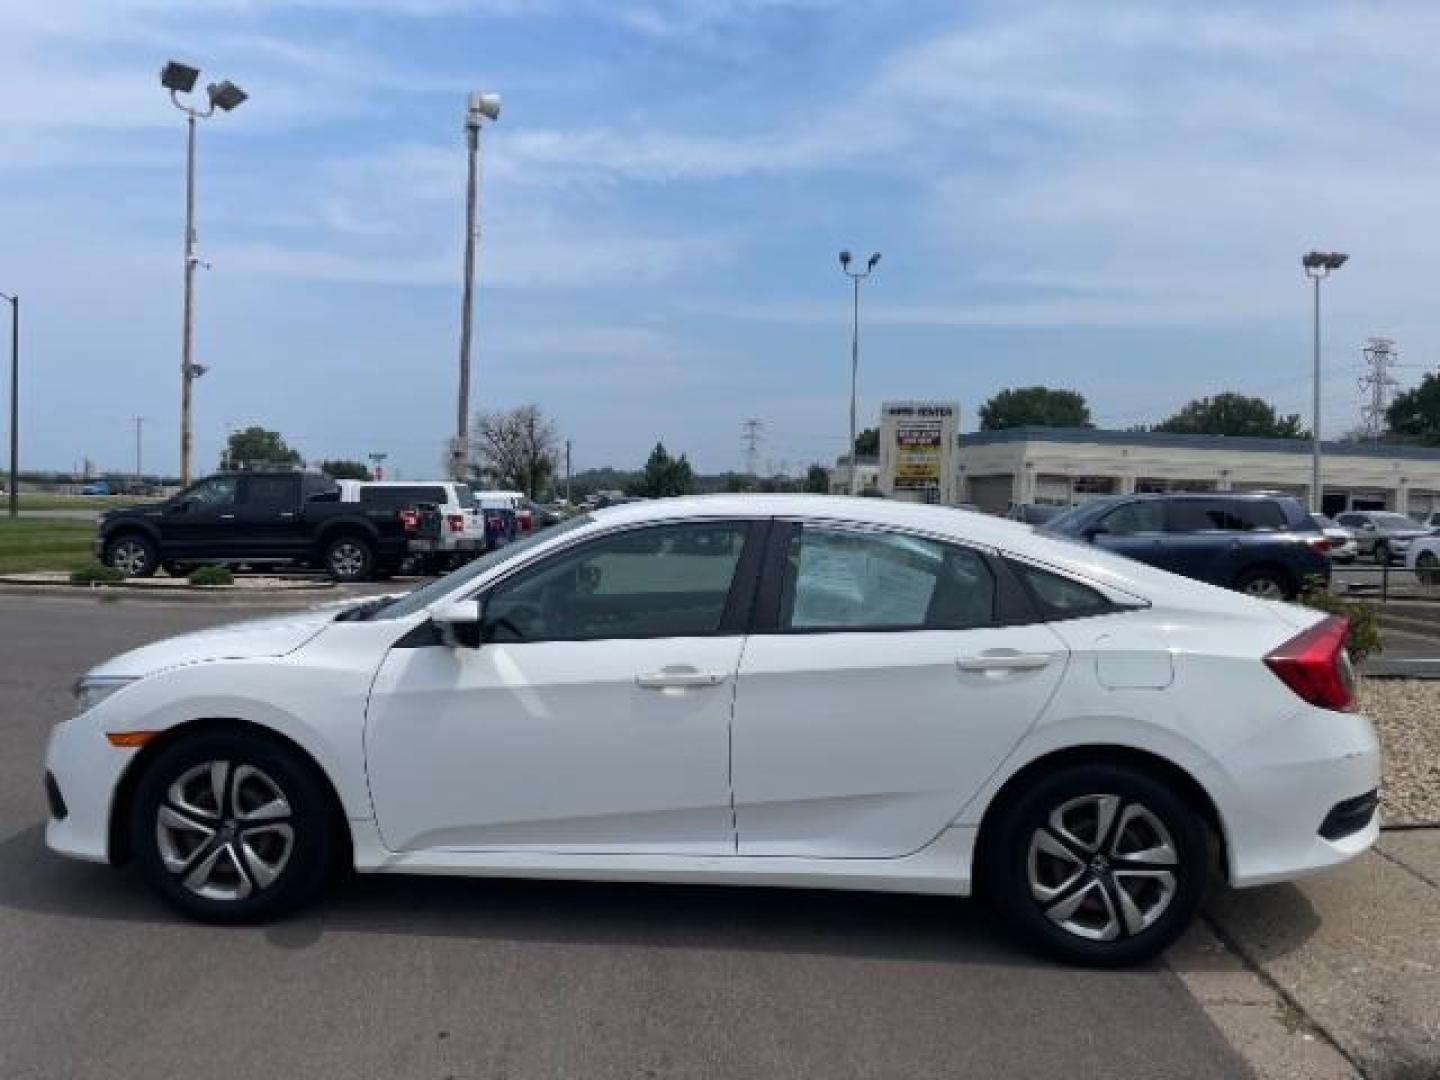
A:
(1338, 975)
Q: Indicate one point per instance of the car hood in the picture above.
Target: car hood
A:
(254, 638)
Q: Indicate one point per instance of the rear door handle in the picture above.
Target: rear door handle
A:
(287, 513)
(1005, 661)
(668, 678)
(227, 517)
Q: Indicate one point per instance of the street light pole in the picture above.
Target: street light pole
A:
(482, 107)
(1318, 266)
(856, 277)
(139, 461)
(14, 302)
(180, 79)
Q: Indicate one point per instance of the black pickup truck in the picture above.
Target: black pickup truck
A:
(264, 517)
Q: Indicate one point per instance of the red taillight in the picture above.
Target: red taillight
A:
(409, 520)
(456, 522)
(1319, 543)
(1315, 665)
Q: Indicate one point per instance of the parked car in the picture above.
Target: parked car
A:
(1033, 513)
(262, 517)
(1343, 545)
(780, 690)
(516, 501)
(1423, 557)
(1260, 543)
(462, 529)
(1382, 534)
(1430, 522)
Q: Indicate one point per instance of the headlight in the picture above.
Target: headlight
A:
(89, 692)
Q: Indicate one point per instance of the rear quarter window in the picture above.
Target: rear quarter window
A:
(1060, 597)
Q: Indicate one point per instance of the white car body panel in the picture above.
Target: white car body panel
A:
(1428, 545)
(464, 784)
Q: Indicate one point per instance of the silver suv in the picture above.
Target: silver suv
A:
(1383, 534)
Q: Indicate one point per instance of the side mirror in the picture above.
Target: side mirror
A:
(1093, 531)
(458, 622)
(179, 505)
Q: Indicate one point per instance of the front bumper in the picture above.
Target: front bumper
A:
(84, 770)
(1287, 787)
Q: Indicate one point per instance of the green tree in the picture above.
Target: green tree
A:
(1416, 413)
(258, 448)
(1232, 414)
(339, 469)
(665, 475)
(817, 479)
(867, 443)
(1035, 406)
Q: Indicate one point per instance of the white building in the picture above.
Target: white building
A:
(867, 471)
(1062, 466)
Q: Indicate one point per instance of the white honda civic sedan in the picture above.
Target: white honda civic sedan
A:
(750, 690)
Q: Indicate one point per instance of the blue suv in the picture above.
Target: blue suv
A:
(1259, 543)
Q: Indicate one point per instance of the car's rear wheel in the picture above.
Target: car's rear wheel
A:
(231, 829)
(1096, 864)
(1266, 583)
(1427, 568)
(348, 558)
(133, 555)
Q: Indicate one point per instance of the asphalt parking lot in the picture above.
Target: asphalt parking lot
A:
(447, 978)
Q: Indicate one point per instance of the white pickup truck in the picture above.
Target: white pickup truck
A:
(462, 524)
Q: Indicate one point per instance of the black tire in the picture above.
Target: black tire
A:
(1006, 870)
(261, 768)
(1267, 582)
(1427, 568)
(1382, 553)
(348, 557)
(134, 554)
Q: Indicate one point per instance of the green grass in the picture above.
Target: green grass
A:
(40, 501)
(45, 544)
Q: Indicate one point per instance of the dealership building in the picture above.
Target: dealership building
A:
(1063, 466)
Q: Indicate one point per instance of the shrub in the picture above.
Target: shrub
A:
(211, 576)
(95, 573)
(1364, 638)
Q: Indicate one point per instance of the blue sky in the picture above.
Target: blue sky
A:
(1106, 196)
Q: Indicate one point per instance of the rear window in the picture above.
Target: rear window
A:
(1257, 515)
(1228, 515)
(399, 497)
(1060, 597)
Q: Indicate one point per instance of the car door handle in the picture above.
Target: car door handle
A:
(287, 513)
(1004, 661)
(668, 678)
(227, 517)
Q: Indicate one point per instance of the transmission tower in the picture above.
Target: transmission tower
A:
(1376, 385)
(752, 433)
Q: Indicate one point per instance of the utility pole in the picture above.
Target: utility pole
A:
(751, 435)
(481, 107)
(14, 302)
(139, 469)
(1376, 384)
(569, 497)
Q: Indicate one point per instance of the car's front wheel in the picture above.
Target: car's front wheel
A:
(132, 554)
(231, 829)
(1097, 864)
(348, 558)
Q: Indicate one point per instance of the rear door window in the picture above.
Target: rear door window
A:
(1136, 517)
(399, 497)
(271, 491)
(1256, 515)
(1197, 515)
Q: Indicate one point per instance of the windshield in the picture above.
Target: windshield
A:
(426, 595)
(1393, 521)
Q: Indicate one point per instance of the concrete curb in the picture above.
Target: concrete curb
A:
(189, 595)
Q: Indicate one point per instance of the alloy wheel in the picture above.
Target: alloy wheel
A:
(347, 560)
(129, 557)
(224, 830)
(1265, 588)
(1103, 867)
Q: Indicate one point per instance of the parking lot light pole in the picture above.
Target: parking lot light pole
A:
(482, 107)
(14, 302)
(180, 79)
(856, 277)
(1318, 266)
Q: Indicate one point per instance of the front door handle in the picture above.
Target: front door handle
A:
(671, 678)
(1007, 660)
(227, 517)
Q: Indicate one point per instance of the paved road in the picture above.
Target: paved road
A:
(434, 978)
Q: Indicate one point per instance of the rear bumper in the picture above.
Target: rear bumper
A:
(1299, 796)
